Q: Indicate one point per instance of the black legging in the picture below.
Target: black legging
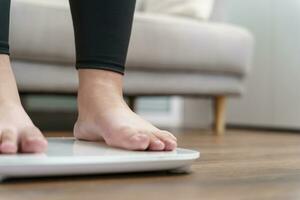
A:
(102, 30)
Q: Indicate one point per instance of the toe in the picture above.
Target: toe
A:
(128, 138)
(156, 144)
(168, 139)
(9, 144)
(138, 141)
(168, 134)
(32, 141)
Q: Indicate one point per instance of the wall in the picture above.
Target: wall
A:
(272, 98)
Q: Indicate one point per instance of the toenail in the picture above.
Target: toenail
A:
(172, 141)
(139, 137)
(30, 140)
(35, 141)
(172, 144)
(159, 143)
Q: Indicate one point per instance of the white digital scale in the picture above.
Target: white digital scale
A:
(67, 156)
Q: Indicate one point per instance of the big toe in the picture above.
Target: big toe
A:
(128, 138)
(156, 144)
(139, 141)
(32, 141)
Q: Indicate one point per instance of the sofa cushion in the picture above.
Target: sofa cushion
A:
(55, 78)
(158, 42)
(172, 43)
(198, 9)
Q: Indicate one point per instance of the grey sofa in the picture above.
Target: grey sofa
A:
(167, 55)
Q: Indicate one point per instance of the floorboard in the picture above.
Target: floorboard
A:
(240, 165)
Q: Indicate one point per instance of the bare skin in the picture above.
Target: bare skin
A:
(103, 114)
(17, 132)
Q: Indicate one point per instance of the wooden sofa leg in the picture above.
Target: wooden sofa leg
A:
(220, 115)
(132, 102)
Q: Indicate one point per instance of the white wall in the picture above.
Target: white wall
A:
(273, 94)
(197, 113)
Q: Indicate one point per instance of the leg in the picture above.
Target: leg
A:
(220, 108)
(17, 132)
(102, 31)
(4, 26)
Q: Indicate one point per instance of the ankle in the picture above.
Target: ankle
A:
(99, 85)
(8, 87)
(99, 89)
(94, 79)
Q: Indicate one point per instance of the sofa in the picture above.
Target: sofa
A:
(168, 55)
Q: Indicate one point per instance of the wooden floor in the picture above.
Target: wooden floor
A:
(240, 165)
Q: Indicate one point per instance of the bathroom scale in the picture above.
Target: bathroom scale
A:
(68, 156)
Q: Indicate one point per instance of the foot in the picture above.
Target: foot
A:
(17, 132)
(104, 115)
